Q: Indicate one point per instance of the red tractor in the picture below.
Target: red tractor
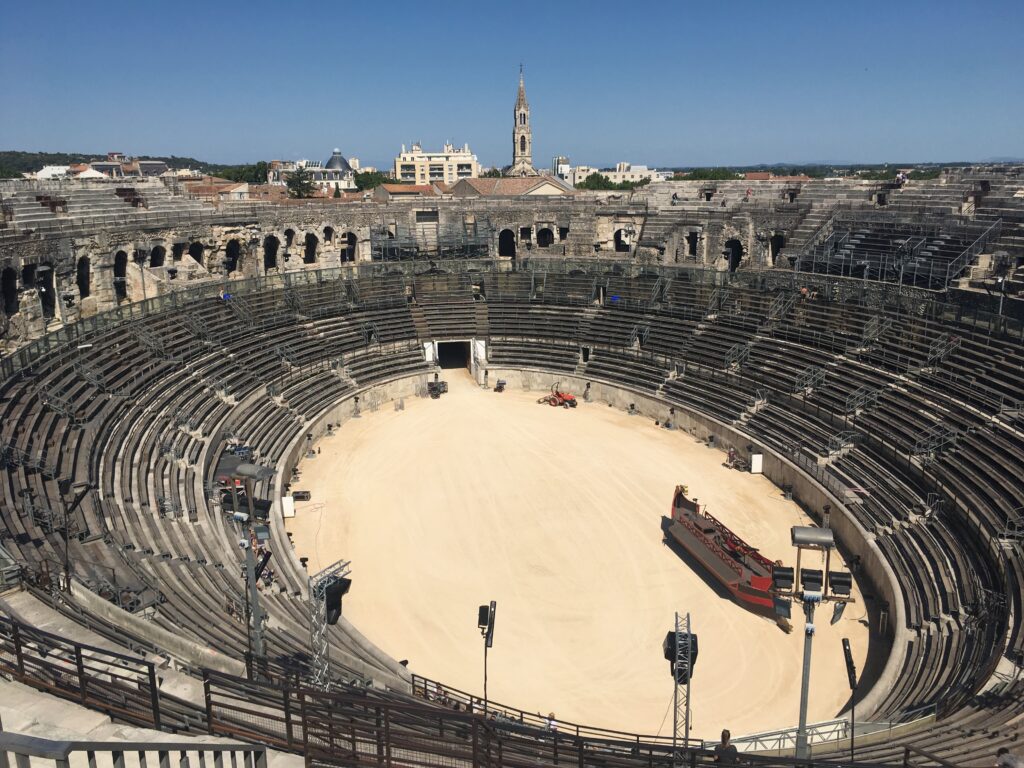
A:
(559, 398)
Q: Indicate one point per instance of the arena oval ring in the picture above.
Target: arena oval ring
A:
(170, 383)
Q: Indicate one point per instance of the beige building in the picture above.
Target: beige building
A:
(449, 166)
(623, 172)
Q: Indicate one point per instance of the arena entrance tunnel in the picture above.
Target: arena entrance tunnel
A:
(453, 354)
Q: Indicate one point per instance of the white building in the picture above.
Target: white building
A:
(336, 172)
(448, 166)
(561, 168)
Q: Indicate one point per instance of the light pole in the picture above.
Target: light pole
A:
(817, 586)
(485, 623)
(851, 672)
(82, 489)
(680, 650)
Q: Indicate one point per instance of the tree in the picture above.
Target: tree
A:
(491, 173)
(373, 179)
(600, 181)
(711, 174)
(337, 190)
(300, 184)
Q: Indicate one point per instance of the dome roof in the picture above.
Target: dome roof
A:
(338, 163)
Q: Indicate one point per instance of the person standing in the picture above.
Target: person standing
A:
(725, 752)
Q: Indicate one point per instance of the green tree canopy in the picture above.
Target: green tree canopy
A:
(300, 184)
(491, 173)
(373, 179)
(600, 181)
(712, 174)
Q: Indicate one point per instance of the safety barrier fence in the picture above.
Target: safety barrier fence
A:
(356, 725)
(30, 750)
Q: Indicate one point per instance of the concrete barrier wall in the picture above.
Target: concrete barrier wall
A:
(194, 654)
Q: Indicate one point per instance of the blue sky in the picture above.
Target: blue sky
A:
(667, 84)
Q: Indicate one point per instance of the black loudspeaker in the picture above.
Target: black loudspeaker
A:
(332, 598)
(483, 616)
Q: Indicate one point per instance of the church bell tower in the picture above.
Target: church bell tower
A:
(522, 136)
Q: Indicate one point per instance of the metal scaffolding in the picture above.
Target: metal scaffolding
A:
(320, 664)
(809, 378)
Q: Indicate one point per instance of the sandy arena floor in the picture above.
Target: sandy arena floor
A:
(556, 514)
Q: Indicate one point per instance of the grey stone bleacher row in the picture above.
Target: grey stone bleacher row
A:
(928, 591)
(133, 493)
(944, 567)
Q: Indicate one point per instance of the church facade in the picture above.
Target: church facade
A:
(522, 136)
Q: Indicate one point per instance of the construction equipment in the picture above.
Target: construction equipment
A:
(559, 398)
(436, 388)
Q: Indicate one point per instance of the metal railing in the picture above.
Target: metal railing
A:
(28, 750)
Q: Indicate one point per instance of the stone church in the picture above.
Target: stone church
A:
(522, 137)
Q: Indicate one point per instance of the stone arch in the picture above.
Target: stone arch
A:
(270, 246)
(621, 246)
(195, 250)
(775, 245)
(82, 276)
(328, 235)
(507, 243)
(177, 250)
(121, 275)
(309, 248)
(289, 237)
(9, 290)
(348, 252)
(28, 277)
(157, 256)
(231, 254)
(47, 290)
(545, 237)
(733, 252)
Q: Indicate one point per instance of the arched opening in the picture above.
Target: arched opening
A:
(47, 294)
(82, 276)
(621, 245)
(692, 238)
(28, 277)
(328, 235)
(545, 238)
(775, 244)
(289, 238)
(157, 256)
(121, 275)
(270, 246)
(734, 253)
(507, 243)
(348, 253)
(231, 254)
(195, 250)
(9, 289)
(177, 250)
(309, 251)
(522, 144)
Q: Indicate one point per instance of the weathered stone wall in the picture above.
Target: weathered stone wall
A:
(97, 266)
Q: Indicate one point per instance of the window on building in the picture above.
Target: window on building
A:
(426, 217)
(522, 143)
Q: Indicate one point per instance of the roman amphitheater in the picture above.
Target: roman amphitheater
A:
(205, 409)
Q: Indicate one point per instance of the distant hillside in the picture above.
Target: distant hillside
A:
(14, 163)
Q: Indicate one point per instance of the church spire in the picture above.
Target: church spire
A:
(522, 136)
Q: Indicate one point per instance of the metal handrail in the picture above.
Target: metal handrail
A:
(24, 747)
